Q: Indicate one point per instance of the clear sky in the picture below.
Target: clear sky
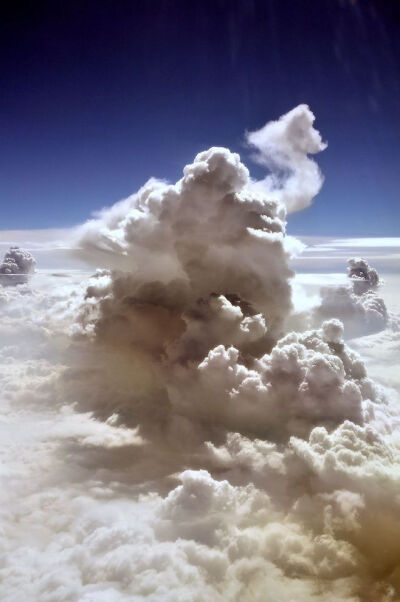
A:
(97, 96)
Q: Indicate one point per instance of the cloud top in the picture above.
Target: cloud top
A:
(283, 146)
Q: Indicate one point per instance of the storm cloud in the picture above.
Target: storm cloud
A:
(168, 436)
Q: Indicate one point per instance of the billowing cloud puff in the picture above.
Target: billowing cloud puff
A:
(16, 267)
(208, 234)
(364, 277)
(358, 305)
(306, 379)
(283, 146)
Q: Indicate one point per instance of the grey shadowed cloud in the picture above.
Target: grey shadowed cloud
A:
(16, 267)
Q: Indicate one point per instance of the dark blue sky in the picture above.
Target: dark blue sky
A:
(98, 96)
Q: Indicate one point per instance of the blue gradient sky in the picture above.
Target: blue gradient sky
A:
(98, 96)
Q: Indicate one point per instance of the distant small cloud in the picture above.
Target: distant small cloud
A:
(16, 267)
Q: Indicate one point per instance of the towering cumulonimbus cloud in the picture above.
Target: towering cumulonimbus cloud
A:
(193, 309)
(189, 446)
(193, 265)
(213, 233)
(16, 267)
(358, 305)
(283, 146)
(198, 269)
(209, 234)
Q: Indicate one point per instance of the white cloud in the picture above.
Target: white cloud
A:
(16, 267)
(370, 243)
(283, 146)
(357, 304)
(164, 434)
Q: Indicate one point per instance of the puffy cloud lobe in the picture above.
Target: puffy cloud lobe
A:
(307, 379)
(364, 278)
(283, 146)
(357, 305)
(332, 331)
(16, 267)
(340, 487)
